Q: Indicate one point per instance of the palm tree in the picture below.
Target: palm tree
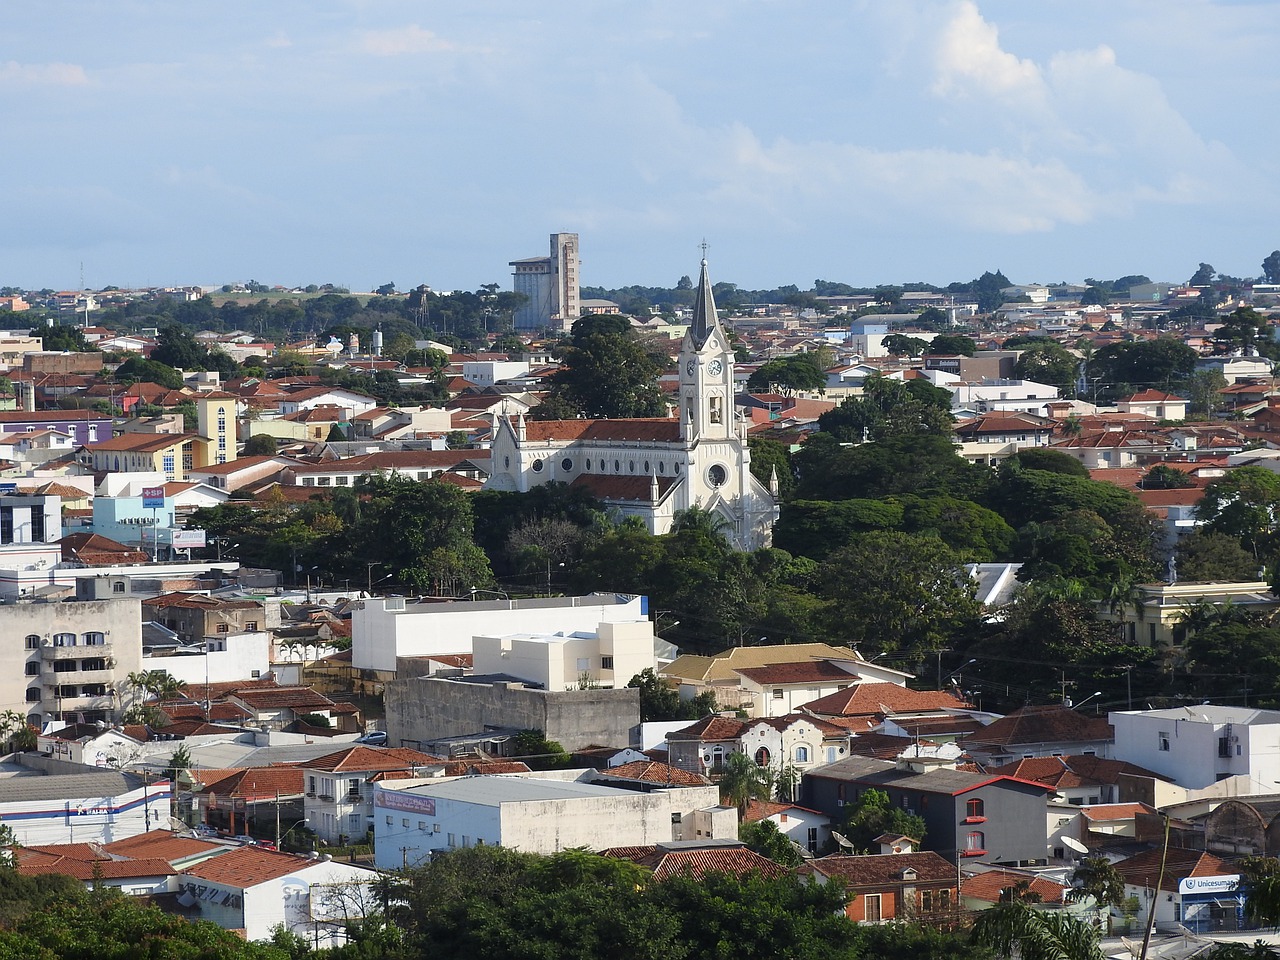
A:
(1018, 930)
(1261, 882)
(742, 782)
(1096, 878)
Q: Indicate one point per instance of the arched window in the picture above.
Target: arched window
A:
(94, 639)
(33, 669)
(975, 809)
(64, 639)
(33, 694)
(802, 754)
(975, 842)
(33, 641)
(762, 757)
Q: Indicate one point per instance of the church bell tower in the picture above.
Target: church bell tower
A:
(706, 373)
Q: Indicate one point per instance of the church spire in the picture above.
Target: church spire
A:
(704, 310)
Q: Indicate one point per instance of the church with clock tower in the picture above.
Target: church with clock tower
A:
(655, 468)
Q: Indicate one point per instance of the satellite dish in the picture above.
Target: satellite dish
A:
(841, 841)
(1071, 843)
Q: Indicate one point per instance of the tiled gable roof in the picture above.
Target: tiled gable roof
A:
(697, 862)
(990, 885)
(1143, 869)
(650, 771)
(360, 758)
(712, 727)
(247, 867)
(1042, 724)
(810, 671)
(871, 699)
(651, 430)
(1066, 772)
(883, 870)
(636, 489)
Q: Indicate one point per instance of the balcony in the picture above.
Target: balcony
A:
(326, 797)
(75, 653)
(352, 797)
(50, 676)
(71, 704)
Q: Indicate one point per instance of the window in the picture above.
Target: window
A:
(390, 821)
(871, 908)
(64, 639)
(935, 901)
(762, 757)
(717, 409)
(353, 787)
(64, 666)
(802, 754)
(422, 825)
(453, 842)
(311, 786)
(95, 639)
(537, 466)
(1165, 736)
(566, 464)
(405, 823)
(975, 843)
(33, 641)
(717, 475)
(812, 840)
(223, 628)
(1224, 746)
(777, 693)
(67, 690)
(33, 669)
(251, 626)
(117, 588)
(975, 810)
(33, 694)
(606, 663)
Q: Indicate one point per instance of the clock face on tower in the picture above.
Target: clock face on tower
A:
(715, 367)
(690, 367)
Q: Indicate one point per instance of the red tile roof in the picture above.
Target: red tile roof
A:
(649, 771)
(882, 699)
(1066, 772)
(247, 867)
(359, 758)
(884, 869)
(806, 671)
(1045, 724)
(697, 862)
(160, 844)
(990, 885)
(257, 783)
(664, 430)
(638, 488)
(714, 727)
(1143, 869)
(762, 810)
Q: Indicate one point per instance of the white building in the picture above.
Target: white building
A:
(256, 890)
(536, 814)
(552, 285)
(653, 468)
(998, 395)
(485, 373)
(607, 657)
(386, 630)
(82, 807)
(234, 656)
(59, 659)
(1197, 746)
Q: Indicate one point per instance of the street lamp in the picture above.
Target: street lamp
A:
(1077, 706)
(370, 564)
(957, 671)
(498, 593)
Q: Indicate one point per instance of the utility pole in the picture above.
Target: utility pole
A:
(277, 819)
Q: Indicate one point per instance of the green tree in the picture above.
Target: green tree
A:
(1202, 277)
(1040, 458)
(1048, 362)
(661, 700)
(743, 781)
(1166, 478)
(1243, 505)
(874, 815)
(800, 372)
(606, 372)
(899, 345)
(1096, 878)
(1206, 555)
(1260, 878)
(953, 344)
(764, 837)
(1019, 930)
(1271, 267)
(896, 592)
(769, 459)
(889, 408)
(177, 347)
(1204, 390)
(260, 445)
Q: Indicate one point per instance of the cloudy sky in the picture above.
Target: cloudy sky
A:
(367, 141)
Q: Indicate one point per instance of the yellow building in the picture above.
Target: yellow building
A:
(173, 454)
(1156, 614)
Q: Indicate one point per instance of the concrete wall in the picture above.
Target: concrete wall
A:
(424, 708)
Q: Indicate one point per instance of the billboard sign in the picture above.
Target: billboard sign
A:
(153, 498)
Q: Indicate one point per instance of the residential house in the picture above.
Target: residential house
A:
(866, 706)
(228, 800)
(1157, 614)
(255, 891)
(981, 891)
(719, 674)
(1155, 403)
(697, 858)
(967, 815)
(810, 830)
(195, 616)
(1039, 731)
(915, 887)
(296, 709)
(340, 786)
(794, 743)
(704, 746)
(1080, 780)
(992, 437)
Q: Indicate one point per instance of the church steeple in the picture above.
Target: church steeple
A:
(704, 310)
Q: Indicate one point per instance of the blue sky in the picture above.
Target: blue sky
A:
(368, 141)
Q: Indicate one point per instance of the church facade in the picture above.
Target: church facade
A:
(655, 468)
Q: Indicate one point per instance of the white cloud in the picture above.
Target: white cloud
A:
(969, 60)
(13, 73)
(405, 40)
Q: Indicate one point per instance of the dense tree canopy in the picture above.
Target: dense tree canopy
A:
(605, 372)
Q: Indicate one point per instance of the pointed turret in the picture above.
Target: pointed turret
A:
(654, 493)
(773, 481)
(704, 310)
(520, 430)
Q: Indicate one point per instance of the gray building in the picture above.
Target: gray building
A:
(995, 819)
(552, 285)
(424, 709)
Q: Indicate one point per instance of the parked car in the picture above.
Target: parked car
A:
(378, 738)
